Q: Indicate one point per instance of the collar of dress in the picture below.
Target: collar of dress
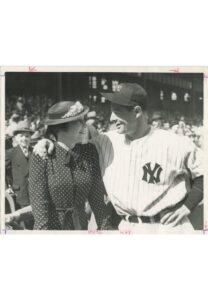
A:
(64, 146)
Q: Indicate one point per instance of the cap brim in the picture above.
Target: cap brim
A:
(48, 121)
(108, 96)
(117, 99)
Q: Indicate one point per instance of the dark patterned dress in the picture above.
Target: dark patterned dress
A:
(60, 186)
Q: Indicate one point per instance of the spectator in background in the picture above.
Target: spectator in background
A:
(17, 160)
(199, 141)
(181, 122)
(180, 131)
(166, 125)
(19, 107)
(92, 118)
(157, 119)
(13, 122)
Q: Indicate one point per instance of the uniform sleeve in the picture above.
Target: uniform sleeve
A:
(103, 146)
(193, 159)
(39, 193)
(193, 163)
(96, 194)
(195, 195)
(96, 141)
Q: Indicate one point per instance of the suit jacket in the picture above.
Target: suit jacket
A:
(19, 166)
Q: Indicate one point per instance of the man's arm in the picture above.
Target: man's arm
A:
(193, 198)
(193, 165)
(45, 146)
(195, 195)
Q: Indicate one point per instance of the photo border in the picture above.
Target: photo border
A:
(100, 69)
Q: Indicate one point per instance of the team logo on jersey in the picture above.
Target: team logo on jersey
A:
(151, 175)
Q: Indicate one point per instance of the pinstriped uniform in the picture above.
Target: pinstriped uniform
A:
(145, 176)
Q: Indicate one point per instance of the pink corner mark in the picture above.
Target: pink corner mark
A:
(205, 76)
(175, 70)
(32, 69)
(205, 227)
(94, 231)
(125, 231)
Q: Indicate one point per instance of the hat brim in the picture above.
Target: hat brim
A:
(48, 121)
(117, 99)
(23, 130)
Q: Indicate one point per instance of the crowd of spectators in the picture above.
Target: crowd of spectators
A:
(180, 125)
(33, 109)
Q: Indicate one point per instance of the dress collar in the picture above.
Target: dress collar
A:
(64, 146)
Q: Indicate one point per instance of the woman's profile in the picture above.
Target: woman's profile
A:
(61, 185)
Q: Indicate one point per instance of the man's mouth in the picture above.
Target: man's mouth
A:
(118, 125)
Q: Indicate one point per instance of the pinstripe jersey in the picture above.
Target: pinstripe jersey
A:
(144, 176)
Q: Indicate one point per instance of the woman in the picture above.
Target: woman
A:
(61, 185)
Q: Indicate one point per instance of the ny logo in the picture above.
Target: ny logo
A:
(154, 175)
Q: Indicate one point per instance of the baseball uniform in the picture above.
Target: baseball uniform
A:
(147, 175)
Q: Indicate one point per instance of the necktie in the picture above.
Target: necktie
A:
(25, 152)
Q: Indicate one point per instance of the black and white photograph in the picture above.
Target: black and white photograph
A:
(104, 151)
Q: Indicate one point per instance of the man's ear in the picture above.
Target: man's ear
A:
(138, 111)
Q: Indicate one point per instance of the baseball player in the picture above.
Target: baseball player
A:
(153, 177)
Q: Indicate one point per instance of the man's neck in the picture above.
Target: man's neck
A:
(139, 132)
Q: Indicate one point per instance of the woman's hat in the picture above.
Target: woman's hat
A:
(23, 126)
(64, 112)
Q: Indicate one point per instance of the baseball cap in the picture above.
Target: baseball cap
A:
(127, 94)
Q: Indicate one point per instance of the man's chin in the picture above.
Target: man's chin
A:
(120, 131)
(24, 145)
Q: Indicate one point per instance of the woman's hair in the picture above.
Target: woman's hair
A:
(53, 130)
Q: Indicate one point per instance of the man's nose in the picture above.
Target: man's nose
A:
(113, 117)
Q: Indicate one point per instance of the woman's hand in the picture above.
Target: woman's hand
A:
(43, 148)
(174, 217)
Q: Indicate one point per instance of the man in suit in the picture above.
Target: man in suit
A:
(17, 160)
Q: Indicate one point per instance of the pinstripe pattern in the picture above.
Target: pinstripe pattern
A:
(123, 163)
